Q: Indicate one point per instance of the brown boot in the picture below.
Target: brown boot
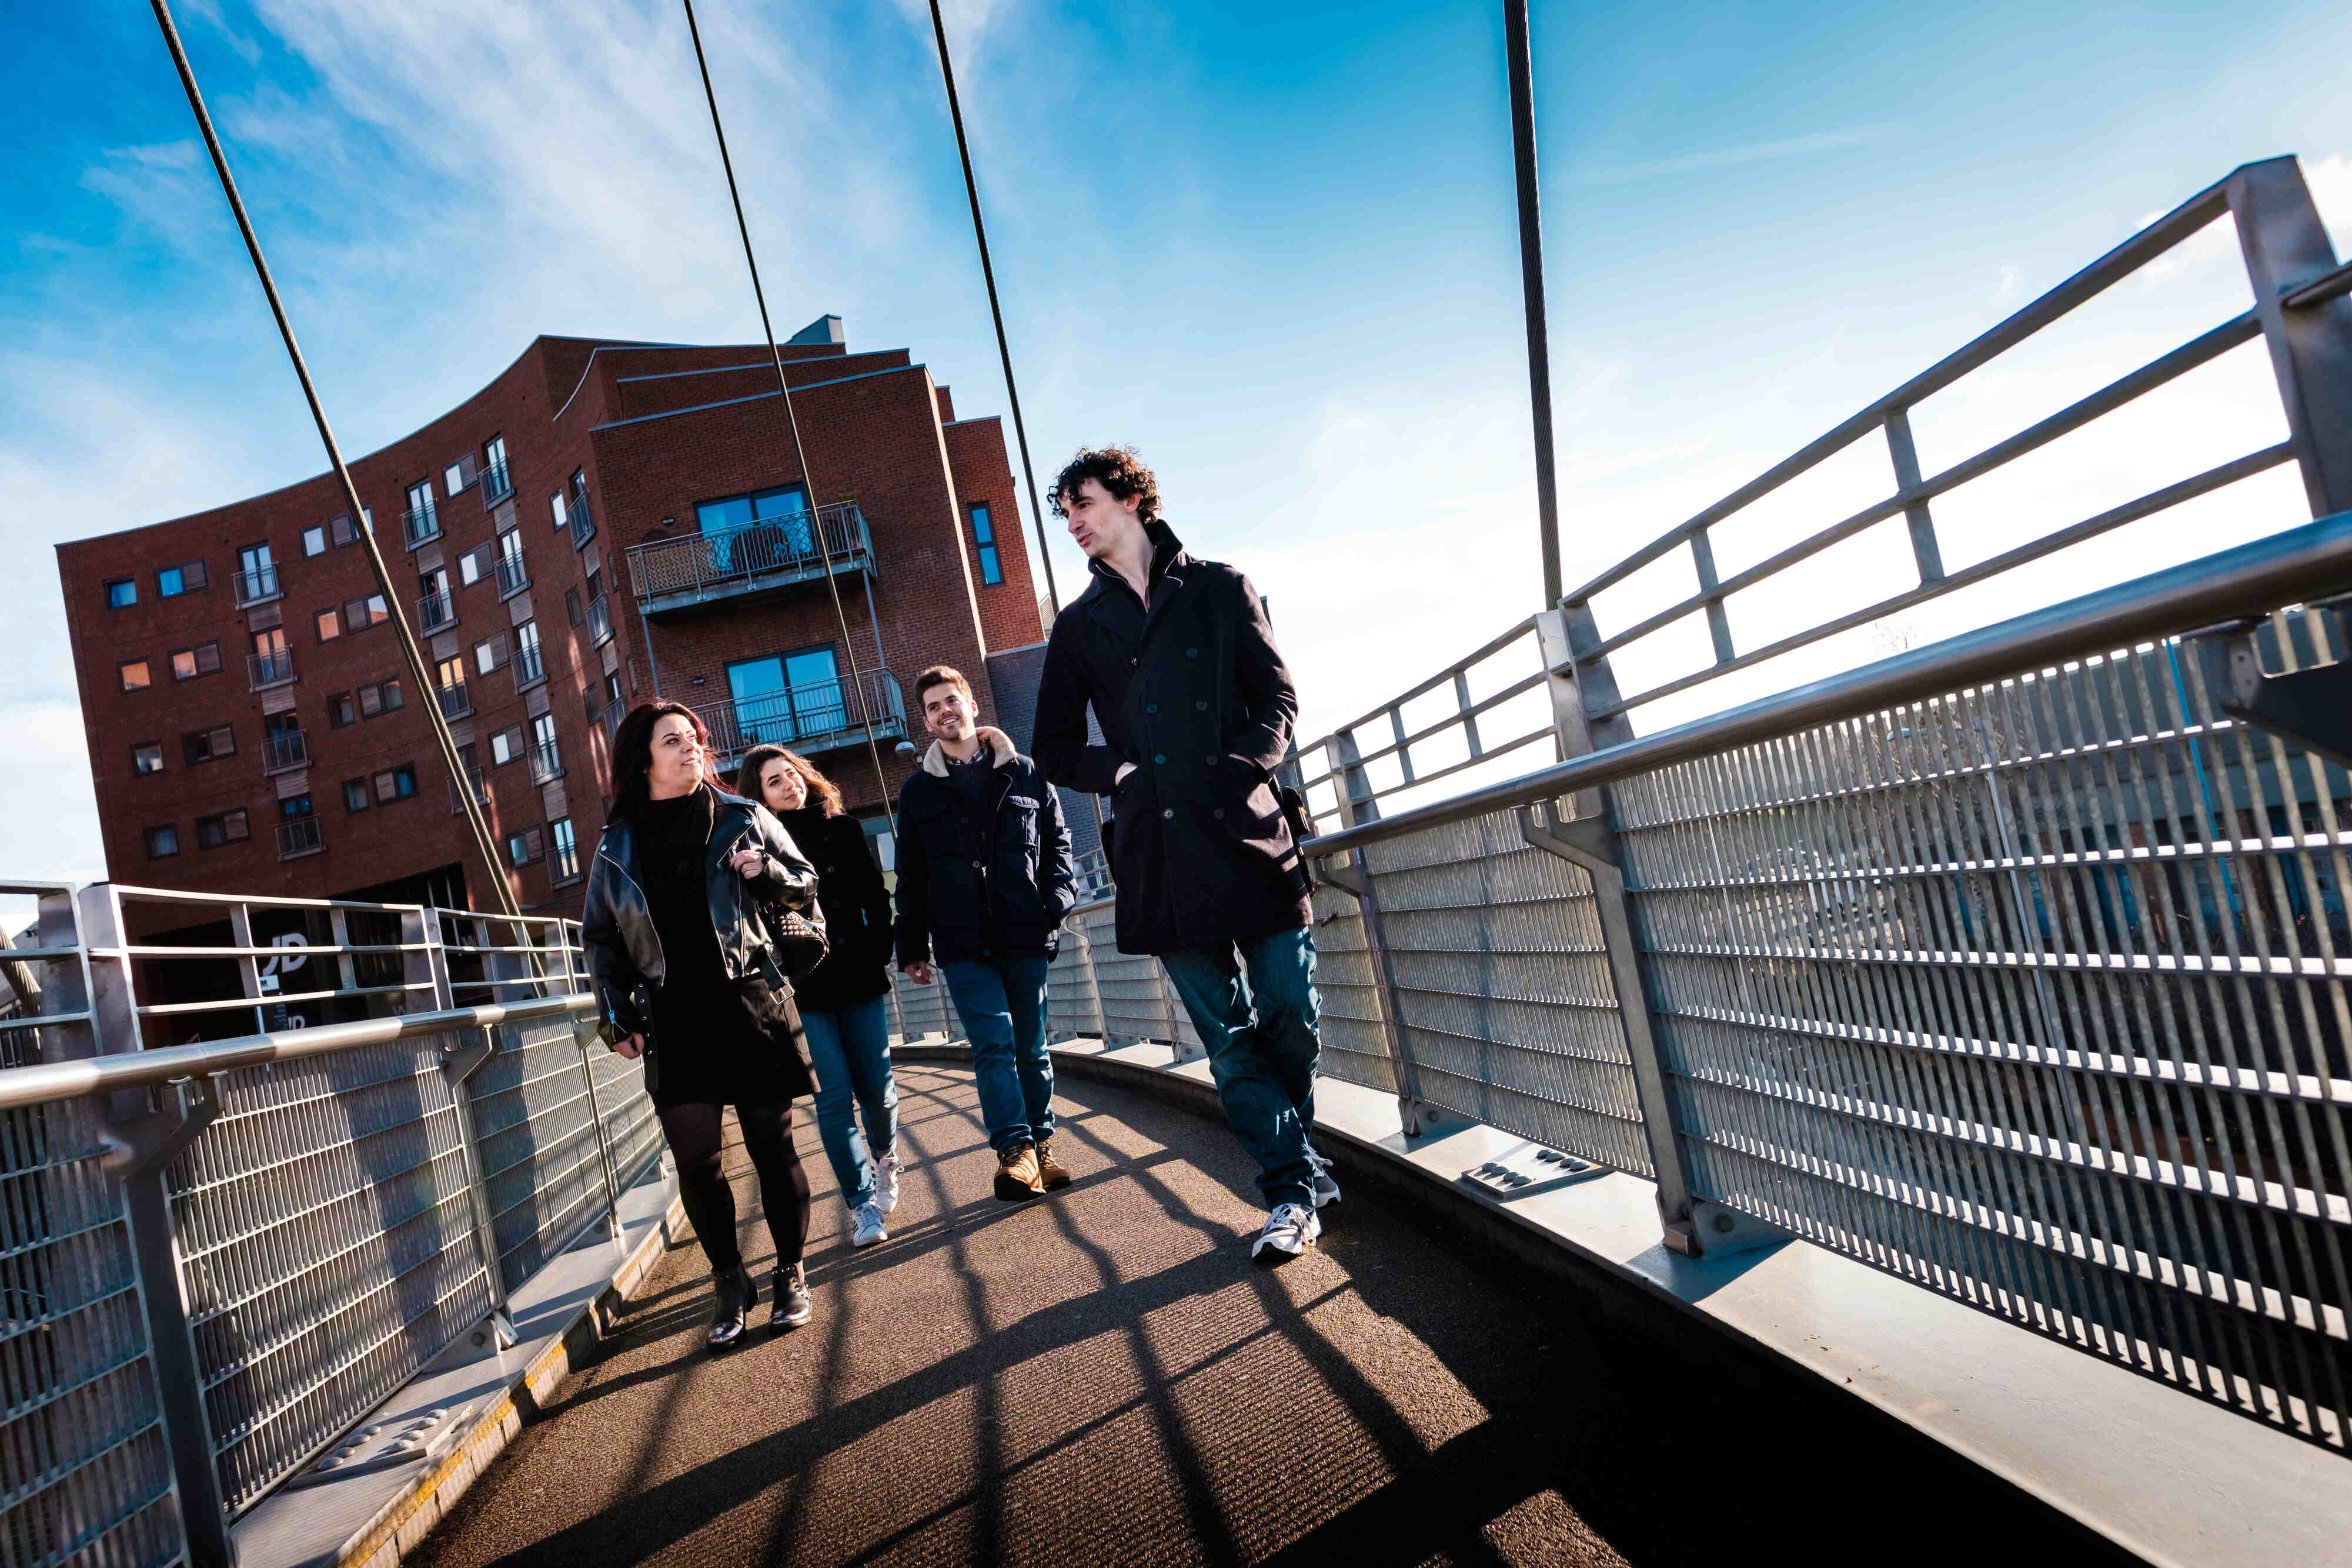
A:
(1050, 1174)
(1016, 1173)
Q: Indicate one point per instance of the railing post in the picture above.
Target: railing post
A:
(426, 959)
(2284, 246)
(1586, 839)
(1357, 804)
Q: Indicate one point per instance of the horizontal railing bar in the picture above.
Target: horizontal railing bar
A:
(1525, 684)
(234, 1004)
(42, 1020)
(2131, 511)
(320, 949)
(1503, 748)
(2149, 377)
(2126, 258)
(2328, 285)
(44, 1082)
(184, 896)
(1492, 648)
(2295, 565)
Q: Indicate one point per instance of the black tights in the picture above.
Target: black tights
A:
(693, 1132)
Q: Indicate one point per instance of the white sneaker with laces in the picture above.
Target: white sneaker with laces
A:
(885, 1182)
(1326, 1189)
(867, 1218)
(1289, 1230)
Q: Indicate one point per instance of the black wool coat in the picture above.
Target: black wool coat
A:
(1192, 690)
(857, 912)
(988, 883)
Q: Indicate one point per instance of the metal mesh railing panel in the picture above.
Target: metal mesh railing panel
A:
(1072, 1010)
(631, 1128)
(1354, 1048)
(2034, 995)
(541, 1163)
(87, 1477)
(922, 1009)
(327, 1248)
(1504, 1005)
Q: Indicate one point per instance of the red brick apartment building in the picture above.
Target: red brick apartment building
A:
(605, 522)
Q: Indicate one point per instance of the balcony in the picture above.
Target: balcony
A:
(756, 561)
(421, 524)
(480, 786)
(546, 763)
(256, 585)
(283, 751)
(268, 670)
(583, 522)
(436, 610)
(299, 836)
(530, 669)
(822, 715)
(513, 576)
(496, 484)
(457, 702)
(600, 623)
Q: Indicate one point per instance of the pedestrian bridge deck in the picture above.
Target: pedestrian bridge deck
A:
(1102, 1377)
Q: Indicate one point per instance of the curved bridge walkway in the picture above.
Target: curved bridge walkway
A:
(1102, 1377)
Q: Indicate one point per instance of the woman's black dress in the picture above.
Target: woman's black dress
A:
(711, 1044)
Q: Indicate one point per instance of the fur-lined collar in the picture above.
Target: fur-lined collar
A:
(1001, 752)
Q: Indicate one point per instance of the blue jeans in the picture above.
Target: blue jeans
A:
(1001, 1002)
(850, 1048)
(1262, 1046)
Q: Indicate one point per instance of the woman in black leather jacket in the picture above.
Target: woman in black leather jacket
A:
(686, 975)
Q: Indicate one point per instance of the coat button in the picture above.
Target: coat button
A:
(1151, 707)
(1191, 653)
(1158, 758)
(1219, 813)
(1166, 812)
(1212, 759)
(975, 865)
(1200, 707)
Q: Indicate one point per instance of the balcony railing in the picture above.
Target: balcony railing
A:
(299, 836)
(528, 668)
(270, 669)
(513, 576)
(436, 610)
(600, 623)
(455, 701)
(583, 522)
(773, 552)
(255, 584)
(546, 762)
(420, 525)
(284, 750)
(812, 717)
(496, 484)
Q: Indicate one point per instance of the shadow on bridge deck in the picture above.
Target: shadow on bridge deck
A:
(1102, 1377)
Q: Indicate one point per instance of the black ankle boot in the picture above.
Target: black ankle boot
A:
(791, 1306)
(736, 1295)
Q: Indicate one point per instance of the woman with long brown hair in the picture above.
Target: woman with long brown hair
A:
(687, 977)
(840, 1001)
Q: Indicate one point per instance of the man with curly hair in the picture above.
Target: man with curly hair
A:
(1176, 659)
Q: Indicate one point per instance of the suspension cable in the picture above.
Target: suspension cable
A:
(988, 274)
(791, 423)
(392, 601)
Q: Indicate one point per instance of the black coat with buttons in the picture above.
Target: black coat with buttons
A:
(1192, 690)
(987, 883)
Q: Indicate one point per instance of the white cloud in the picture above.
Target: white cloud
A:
(2011, 290)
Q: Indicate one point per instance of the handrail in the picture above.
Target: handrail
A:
(49, 1080)
(2304, 563)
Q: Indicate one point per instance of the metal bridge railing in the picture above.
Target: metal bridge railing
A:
(218, 1255)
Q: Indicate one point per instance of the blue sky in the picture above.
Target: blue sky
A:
(1273, 245)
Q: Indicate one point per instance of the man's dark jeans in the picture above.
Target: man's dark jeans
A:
(1001, 1002)
(1262, 1046)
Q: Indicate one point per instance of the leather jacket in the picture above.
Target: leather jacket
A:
(626, 966)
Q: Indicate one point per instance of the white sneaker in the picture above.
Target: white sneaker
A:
(885, 1182)
(870, 1230)
(1326, 1189)
(1289, 1230)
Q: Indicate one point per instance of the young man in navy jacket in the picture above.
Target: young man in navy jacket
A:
(984, 878)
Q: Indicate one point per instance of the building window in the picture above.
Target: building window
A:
(341, 531)
(340, 710)
(527, 665)
(204, 659)
(497, 483)
(396, 783)
(983, 534)
(208, 745)
(567, 853)
(188, 577)
(228, 827)
(758, 532)
(459, 475)
(314, 539)
(330, 624)
(121, 593)
(355, 795)
(525, 847)
(147, 756)
(257, 574)
(513, 576)
(162, 842)
(359, 615)
(135, 677)
(490, 654)
(506, 746)
(560, 511)
(419, 521)
(381, 698)
(571, 606)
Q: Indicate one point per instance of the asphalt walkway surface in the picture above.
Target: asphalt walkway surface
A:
(1102, 1376)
